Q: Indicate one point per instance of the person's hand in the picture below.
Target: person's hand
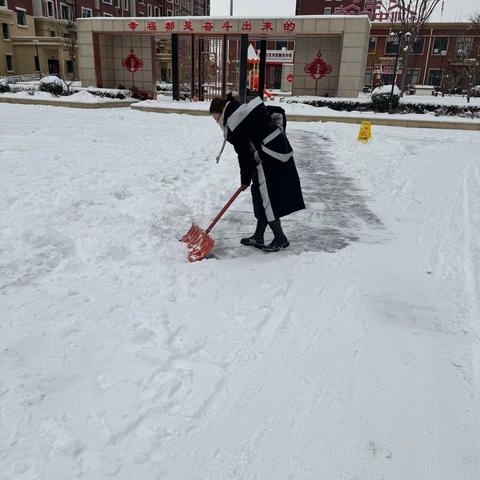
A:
(243, 187)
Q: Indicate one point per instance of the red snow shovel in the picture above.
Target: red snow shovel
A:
(199, 243)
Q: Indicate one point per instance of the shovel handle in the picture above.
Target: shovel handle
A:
(224, 209)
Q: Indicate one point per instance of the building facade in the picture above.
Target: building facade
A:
(444, 56)
(38, 37)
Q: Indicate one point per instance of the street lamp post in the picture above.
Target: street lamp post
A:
(231, 8)
(400, 36)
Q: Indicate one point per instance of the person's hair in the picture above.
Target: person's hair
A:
(218, 104)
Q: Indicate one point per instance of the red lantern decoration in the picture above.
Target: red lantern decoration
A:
(318, 69)
(132, 63)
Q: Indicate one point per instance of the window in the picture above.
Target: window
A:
(105, 14)
(141, 2)
(69, 65)
(412, 76)
(158, 11)
(368, 77)
(149, 10)
(50, 9)
(417, 47)
(337, 9)
(65, 12)
(86, 12)
(281, 45)
(9, 62)
(125, 5)
(21, 18)
(391, 47)
(177, 2)
(5, 31)
(52, 33)
(3, 3)
(327, 11)
(372, 45)
(169, 13)
(118, 3)
(177, 12)
(108, 2)
(435, 77)
(36, 63)
(440, 44)
(464, 46)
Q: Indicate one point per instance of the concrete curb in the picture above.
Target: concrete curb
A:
(53, 103)
(390, 122)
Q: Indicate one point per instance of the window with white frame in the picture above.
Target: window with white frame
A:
(177, 2)
(9, 62)
(435, 77)
(372, 44)
(337, 9)
(141, 2)
(108, 2)
(86, 12)
(65, 12)
(440, 44)
(5, 31)
(412, 76)
(368, 77)
(105, 14)
(3, 3)
(149, 10)
(327, 11)
(21, 17)
(50, 9)
(118, 3)
(177, 12)
(157, 11)
(125, 5)
(464, 46)
(169, 13)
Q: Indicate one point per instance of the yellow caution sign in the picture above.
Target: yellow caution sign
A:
(365, 133)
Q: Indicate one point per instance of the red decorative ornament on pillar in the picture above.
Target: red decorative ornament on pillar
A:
(132, 63)
(318, 69)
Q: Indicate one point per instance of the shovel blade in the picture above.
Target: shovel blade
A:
(199, 243)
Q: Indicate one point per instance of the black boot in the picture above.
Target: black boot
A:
(256, 240)
(280, 240)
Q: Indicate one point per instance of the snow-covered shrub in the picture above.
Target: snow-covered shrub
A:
(4, 86)
(475, 92)
(381, 98)
(53, 85)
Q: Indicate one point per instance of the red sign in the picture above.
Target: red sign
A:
(152, 26)
(246, 26)
(290, 78)
(187, 25)
(289, 26)
(227, 26)
(318, 68)
(267, 25)
(169, 26)
(208, 26)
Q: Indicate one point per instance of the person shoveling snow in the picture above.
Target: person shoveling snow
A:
(265, 156)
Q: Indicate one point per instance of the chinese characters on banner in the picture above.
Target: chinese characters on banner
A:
(208, 26)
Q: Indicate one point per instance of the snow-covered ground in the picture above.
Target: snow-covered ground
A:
(80, 97)
(352, 355)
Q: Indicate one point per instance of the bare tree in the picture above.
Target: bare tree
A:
(408, 16)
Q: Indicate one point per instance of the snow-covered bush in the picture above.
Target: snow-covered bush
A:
(53, 85)
(475, 92)
(381, 98)
(4, 86)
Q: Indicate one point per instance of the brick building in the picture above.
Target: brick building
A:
(441, 57)
(34, 31)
